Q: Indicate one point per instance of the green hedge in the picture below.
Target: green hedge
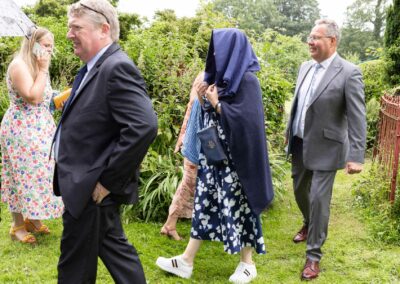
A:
(372, 198)
(170, 52)
(374, 76)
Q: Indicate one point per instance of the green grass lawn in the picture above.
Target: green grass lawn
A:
(351, 256)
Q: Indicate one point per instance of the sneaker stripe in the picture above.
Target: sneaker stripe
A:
(246, 272)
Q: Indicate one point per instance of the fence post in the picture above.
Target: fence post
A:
(395, 156)
(388, 146)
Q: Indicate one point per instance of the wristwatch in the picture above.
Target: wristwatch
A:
(218, 107)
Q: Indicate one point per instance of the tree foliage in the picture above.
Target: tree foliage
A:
(363, 28)
(298, 16)
(255, 15)
(290, 17)
(50, 8)
(368, 15)
(357, 42)
(127, 23)
(54, 8)
(392, 42)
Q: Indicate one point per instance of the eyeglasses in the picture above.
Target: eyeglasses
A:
(98, 12)
(315, 38)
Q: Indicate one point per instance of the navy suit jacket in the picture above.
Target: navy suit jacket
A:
(105, 133)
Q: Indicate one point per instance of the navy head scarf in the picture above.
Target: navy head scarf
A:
(231, 64)
(229, 56)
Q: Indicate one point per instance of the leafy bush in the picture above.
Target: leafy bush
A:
(279, 168)
(353, 57)
(8, 47)
(371, 194)
(374, 76)
(4, 101)
(276, 89)
(170, 53)
(280, 57)
(169, 62)
(392, 42)
(284, 53)
(373, 108)
(160, 176)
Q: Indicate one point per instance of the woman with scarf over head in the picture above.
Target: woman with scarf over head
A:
(230, 196)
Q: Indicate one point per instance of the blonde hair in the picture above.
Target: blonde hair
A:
(25, 53)
(99, 12)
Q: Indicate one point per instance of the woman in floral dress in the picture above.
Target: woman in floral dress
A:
(231, 195)
(27, 130)
(183, 200)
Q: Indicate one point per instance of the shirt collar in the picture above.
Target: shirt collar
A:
(93, 61)
(325, 64)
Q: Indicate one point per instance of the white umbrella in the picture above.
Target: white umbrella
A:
(13, 22)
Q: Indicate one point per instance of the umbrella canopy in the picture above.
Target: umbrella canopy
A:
(13, 22)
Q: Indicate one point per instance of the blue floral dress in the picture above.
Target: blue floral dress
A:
(222, 212)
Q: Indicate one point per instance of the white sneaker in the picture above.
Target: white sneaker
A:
(244, 273)
(175, 265)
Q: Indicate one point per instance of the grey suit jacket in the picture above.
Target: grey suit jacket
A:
(335, 122)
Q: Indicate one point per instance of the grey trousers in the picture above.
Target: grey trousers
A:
(313, 193)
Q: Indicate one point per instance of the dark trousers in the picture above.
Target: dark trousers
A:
(97, 233)
(313, 193)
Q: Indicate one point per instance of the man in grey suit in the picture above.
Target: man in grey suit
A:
(326, 132)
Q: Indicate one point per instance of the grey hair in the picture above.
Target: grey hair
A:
(99, 12)
(332, 28)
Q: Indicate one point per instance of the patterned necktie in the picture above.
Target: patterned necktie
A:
(312, 87)
(75, 85)
(299, 121)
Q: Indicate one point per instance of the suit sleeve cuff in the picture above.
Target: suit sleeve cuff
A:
(357, 156)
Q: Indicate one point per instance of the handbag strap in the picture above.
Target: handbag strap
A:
(212, 116)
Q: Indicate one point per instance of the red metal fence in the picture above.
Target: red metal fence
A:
(388, 144)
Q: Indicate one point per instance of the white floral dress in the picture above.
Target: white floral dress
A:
(27, 171)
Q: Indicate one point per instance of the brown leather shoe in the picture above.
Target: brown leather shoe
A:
(301, 235)
(311, 270)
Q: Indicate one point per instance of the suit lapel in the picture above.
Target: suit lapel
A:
(302, 75)
(333, 70)
(300, 80)
(113, 48)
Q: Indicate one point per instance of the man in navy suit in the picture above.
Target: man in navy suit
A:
(104, 133)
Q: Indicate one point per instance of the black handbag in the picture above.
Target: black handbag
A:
(211, 145)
